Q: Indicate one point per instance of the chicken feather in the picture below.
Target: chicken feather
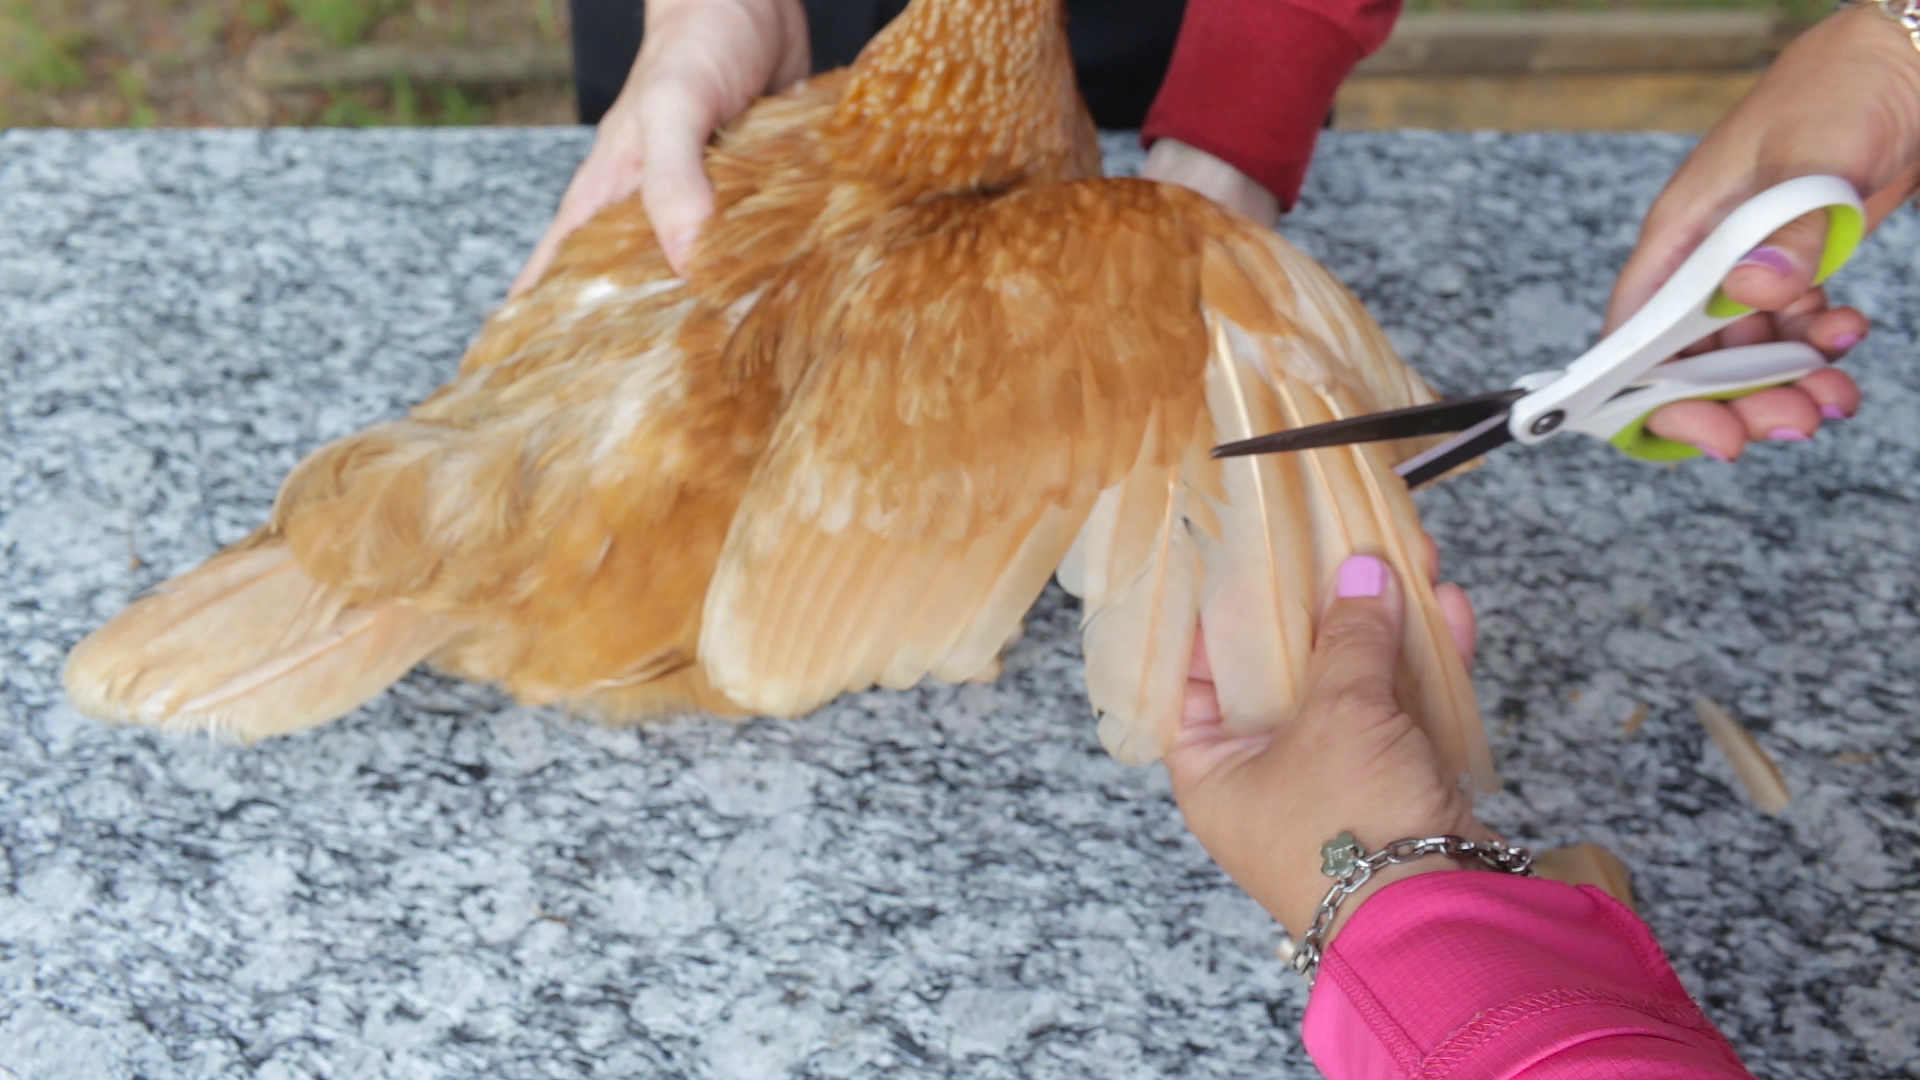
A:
(923, 357)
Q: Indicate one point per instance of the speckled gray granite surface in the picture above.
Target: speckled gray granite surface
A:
(942, 883)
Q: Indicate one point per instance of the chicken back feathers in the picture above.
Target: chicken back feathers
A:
(924, 359)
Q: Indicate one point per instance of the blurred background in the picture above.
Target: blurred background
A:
(1672, 65)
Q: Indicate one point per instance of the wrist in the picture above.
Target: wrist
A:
(1388, 875)
(1300, 883)
(1174, 162)
(1356, 873)
(1866, 24)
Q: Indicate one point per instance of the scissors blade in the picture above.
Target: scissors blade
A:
(1457, 451)
(1438, 418)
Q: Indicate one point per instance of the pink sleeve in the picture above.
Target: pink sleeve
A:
(1505, 978)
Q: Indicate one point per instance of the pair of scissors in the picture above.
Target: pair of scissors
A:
(1610, 390)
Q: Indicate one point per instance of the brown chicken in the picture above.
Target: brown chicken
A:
(925, 357)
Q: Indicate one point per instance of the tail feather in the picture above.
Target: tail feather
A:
(246, 644)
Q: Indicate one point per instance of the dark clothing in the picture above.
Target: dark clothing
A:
(1249, 81)
(1121, 48)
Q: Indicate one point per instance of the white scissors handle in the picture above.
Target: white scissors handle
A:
(1722, 373)
(1687, 308)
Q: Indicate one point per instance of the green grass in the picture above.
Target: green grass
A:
(342, 22)
(404, 108)
(261, 14)
(33, 57)
(457, 111)
(133, 90)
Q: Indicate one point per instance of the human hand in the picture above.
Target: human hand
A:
(701, 63)
(1843, 99)
(1174, 162)
(1348, 759)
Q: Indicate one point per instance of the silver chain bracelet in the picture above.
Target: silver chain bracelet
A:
(1350, 866)
(1904, 12)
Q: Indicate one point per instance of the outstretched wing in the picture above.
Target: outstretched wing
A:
(953, 415)
(1038, 377)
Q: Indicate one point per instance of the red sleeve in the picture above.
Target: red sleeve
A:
(1449, 976)
(1252, 81)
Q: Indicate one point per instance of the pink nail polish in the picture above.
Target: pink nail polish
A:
(1361, 577)
(1770, 257)
(1833, 412)
(1846, 341)
(1715, 454)
(1787, 434)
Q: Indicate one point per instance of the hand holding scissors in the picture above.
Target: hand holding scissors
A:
(1609, 391)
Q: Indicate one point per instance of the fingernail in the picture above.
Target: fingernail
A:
(1787, 434)
(1833, 412)
(1715, 454)
(1846, 341)
(1361, 577)
(1770, 257)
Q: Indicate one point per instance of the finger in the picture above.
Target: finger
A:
(1782, 414)
(1753, 329)
(1199, 668)
(573, 213)
(1653, 260)
(1204, 751)
(796, 60)
(1462, 625)
(1833, 331)
(1674, 226)
(537, 263)
(1200, 706)
(674, 186)
(1834, 393)
(1711, 426)
(610, 173)
(1358, 644)
(1781, 269)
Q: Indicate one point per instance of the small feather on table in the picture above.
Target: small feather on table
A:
(1757, 773)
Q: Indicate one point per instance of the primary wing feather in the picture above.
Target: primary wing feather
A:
(1305, 349)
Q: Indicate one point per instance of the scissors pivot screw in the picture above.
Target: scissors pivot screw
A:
(1546, 422)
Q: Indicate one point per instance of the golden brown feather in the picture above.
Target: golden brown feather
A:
(924, 356)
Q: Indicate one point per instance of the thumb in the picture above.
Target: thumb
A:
(1781, 269)
(674, 187)
(1357, 648)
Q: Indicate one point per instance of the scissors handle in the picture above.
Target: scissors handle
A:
(1688, 307)
(1714, 376)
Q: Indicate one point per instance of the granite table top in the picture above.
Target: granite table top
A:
(945, 882)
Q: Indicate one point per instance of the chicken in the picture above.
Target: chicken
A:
(924, 358)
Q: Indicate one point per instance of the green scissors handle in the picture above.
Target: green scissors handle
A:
(1610, 390)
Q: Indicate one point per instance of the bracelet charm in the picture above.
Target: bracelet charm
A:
(1350, 866)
